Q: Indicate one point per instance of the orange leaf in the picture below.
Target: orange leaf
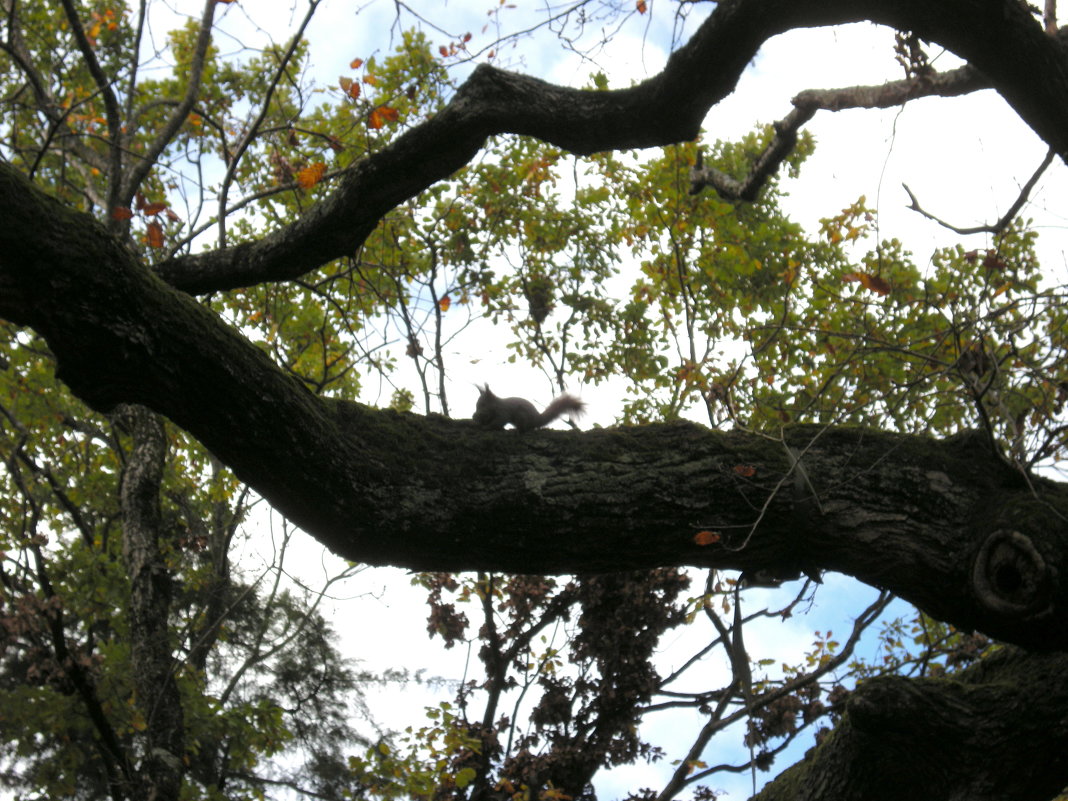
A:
(121, 213)
(155, 234)
(444, 303)
(311, 175)
(172, 216)
(706, 537)
(381, 115)
(745, 470)
(370, 80)
(356, 63)
(444, 51)
(641, 6)
(151, 209)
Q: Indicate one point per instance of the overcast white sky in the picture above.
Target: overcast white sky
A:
(965, 158)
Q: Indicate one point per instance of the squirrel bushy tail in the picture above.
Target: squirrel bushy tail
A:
(560, 406)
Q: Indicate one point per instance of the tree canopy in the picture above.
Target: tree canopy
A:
(206, 259)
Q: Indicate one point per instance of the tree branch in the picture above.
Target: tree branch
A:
(124, 190)
(111, 104)
(1001, 40)
(1006, 218)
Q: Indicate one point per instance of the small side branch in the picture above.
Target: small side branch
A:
(960, 81)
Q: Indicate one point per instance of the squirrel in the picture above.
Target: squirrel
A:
(494, 412)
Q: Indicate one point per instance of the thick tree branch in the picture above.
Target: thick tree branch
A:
(944, 524)
(951, 83)
(765, 166)
(1000, 39)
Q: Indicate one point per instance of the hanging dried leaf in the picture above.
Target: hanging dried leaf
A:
(154, 234)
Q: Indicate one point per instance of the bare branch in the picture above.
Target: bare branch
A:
(1006, 219)
(254, 129)
(111, 104)
(124, 190)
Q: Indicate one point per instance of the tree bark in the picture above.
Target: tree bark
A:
(153, 665)
(994, 732)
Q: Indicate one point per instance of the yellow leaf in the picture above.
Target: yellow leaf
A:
(444, 303)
